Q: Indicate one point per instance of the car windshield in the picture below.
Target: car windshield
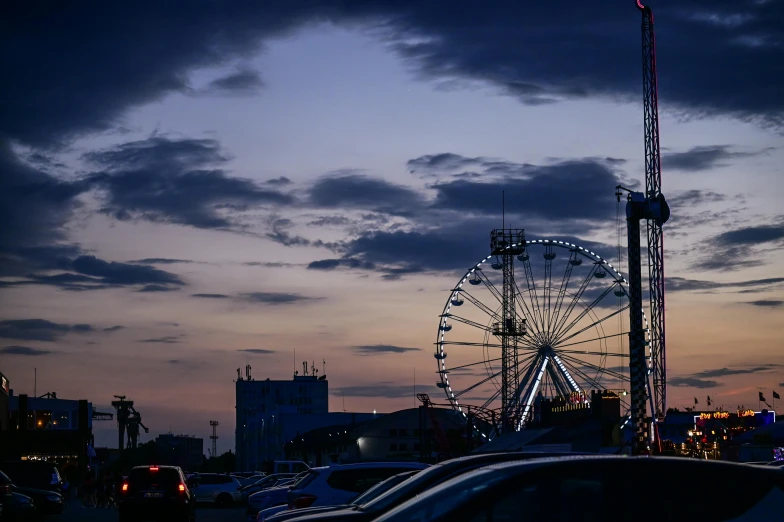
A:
(402, 490)
(381, 488)
(147, 477)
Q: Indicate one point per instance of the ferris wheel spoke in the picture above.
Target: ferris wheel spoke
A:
(600, 338)
(570, 363)
(527, 371)
(565, 373)
(598, 354)
(549, 255)
(601, 370)
(493, 397)
(533, 296)
(530, 393)
(576, 298)
(463, 320)
(462, 366)
(479, 304)
(558, 386)
(496, 293)
(474, 386)
(559, 340)
(574, 260)
(490, 286)
(588, 309)
(523, 305)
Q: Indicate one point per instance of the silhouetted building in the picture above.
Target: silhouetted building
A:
(5, 389)
(48, 428)
(180, 450)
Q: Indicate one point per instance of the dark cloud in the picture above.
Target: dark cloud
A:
(137, 55)
(767, 303)
(679, 284)
(211, 296)
(331, 264)
(280, 181)
(329, 221)
(157, 288)
(170, 339)
(724, 372)
(563, 191)
(24, 350)
(257, 351)
(38, 329)
(702, 158)
(113, 328)
(173, 180)
(691, 198)
(431, 165)
(352, 190)
(159, 261)
(275, 298)
(378, 349)
(754, 235)
(740, 248)
(122, 273)
(243, 81)
(385, 390)
(281, 235)
(34, 207)
(692, 382)
(269, 264)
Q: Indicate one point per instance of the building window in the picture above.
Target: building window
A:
(393, 447)
(416, 447)
(402, 432)
(416, 433)
(403, 446)
(393, 432)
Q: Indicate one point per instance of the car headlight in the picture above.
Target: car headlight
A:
(54, 498)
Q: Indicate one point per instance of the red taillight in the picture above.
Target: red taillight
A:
(303, 501)
(125, 487)
(181, 487)
(4, 490)
(153, 468)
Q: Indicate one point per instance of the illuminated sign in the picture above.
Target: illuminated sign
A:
(746, 413)
(715, 415)
(4, 383)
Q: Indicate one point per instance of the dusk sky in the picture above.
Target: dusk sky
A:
(187, 188)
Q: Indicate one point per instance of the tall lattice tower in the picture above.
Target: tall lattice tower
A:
(505, 244)
(214, 437)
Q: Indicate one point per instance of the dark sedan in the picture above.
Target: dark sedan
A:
(46, 502)
(632, 489)
(415, 485)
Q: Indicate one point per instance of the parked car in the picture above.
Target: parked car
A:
(159, 492)
(419, 483)
(46, 502)
(280, 513)
(266, 482)
(16, 507)
(639, 489)
(33, 474)
(339, 483)
(215, 488)
(274, 496)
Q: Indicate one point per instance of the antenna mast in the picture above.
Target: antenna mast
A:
(214, 437)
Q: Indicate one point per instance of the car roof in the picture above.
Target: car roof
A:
(360, 465)
(163, 466)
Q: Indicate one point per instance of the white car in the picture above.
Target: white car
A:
(339, 483)
(223, 490)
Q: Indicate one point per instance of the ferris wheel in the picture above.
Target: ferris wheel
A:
(571, 306)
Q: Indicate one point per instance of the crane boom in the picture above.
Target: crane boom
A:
(653, 192)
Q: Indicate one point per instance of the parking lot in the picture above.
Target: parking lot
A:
(77, 513)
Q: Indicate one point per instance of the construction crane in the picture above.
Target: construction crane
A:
(652, 207)
(128, 419)
(444, 449)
